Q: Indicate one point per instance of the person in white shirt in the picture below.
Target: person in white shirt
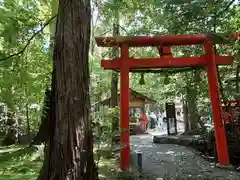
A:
(160, 120)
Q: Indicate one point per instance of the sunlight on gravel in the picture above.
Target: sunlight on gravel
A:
(173, 162)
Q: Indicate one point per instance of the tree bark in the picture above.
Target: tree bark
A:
(28, 122)
(12, 131)
(192, 103)
(69, 153)
(114, 79)
(42, 135)
(185, 116)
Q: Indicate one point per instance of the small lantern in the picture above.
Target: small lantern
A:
(166, 79)
(141, 81)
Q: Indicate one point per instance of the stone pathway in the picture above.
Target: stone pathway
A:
(171, 160)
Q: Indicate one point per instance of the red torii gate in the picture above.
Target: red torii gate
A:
(125, 64)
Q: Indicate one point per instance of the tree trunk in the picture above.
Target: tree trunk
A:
(28, 123)
(192, 106)
(69, 154)
(185, 116)
(12, 130)
(43, 132)
(114, 80)
(114, 103)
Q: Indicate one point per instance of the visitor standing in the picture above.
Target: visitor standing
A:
(143, 122)
(153, 120)
(160, 121)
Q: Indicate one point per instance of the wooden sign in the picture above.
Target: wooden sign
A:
(171, 118)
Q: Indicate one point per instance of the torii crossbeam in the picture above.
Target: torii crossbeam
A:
(125, 64)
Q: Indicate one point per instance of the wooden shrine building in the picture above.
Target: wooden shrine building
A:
(137, 102)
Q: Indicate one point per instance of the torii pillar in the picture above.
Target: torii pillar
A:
(124, 110)
(213, 85)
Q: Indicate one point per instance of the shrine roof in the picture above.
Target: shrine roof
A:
(169, 40)
(106, 101)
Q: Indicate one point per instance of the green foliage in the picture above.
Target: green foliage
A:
(25, 75)
(103, 121)
(150, 17)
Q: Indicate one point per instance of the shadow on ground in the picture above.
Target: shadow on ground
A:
(19, 163)
(170, 161)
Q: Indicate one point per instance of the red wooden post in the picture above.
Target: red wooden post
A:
(124, 110)
(165, 51)
(220, 134)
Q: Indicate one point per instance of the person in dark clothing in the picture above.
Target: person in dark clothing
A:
(153, 120)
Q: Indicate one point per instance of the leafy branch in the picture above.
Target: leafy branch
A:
(215, 15)
(226, 8)
(30, 39)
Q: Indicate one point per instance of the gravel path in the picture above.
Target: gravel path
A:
(173, 160)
